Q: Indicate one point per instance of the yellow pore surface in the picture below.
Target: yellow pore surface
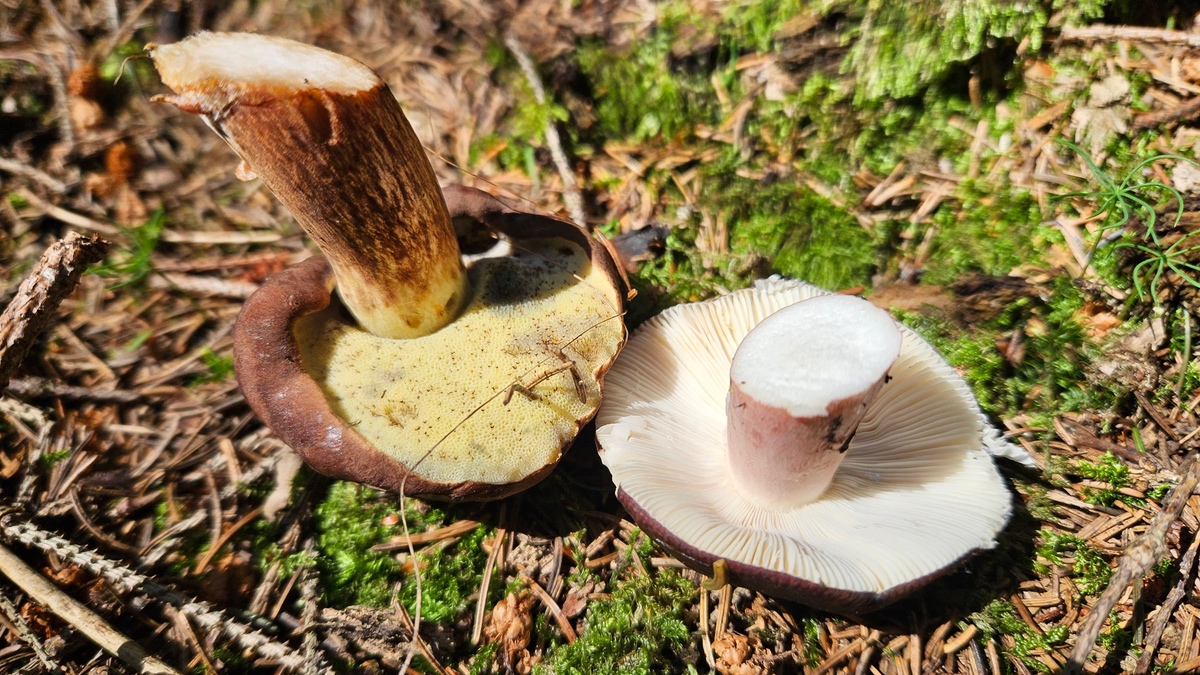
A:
(529, 311)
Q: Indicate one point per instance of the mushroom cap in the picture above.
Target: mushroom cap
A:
(916, 493)
(373, 409)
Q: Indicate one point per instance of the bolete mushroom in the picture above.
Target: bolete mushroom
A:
(804, 443)
(420, 374)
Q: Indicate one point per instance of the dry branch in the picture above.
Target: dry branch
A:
(37, 387)
(1135, 33)
(1136, 561)
(37, 299)
(88, 622)
(1167, 609)
(1183, 111)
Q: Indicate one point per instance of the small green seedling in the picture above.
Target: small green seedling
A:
(1117, 203)
(132, 264)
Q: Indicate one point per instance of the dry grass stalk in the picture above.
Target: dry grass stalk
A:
(571, 197)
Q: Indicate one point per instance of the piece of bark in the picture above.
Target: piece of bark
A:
(38, 297)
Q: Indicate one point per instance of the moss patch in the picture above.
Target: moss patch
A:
(634, 632)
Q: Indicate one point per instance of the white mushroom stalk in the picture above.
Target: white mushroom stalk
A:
(799, 385)
(804, 442)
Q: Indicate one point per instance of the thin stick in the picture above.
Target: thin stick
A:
(37, 175)
(572, 200)
(485, 586)
(37, 299)
(1167, 609)
(224, 537)
(1136, 33)
(37, 387)
(1137, 560)
(85, 620)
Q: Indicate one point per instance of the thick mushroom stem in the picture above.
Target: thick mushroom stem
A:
(329, 139)
(799, 385)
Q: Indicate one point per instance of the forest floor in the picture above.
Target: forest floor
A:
(1027, 204)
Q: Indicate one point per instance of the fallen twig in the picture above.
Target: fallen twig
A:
(1137, 33)
(28, 636)
(37, 387)
(571, 197)
(126, 580)
(85, 620)
(36, 175)
(1167, 609)
(1134, 563)
(37, 299)
(1183, 111)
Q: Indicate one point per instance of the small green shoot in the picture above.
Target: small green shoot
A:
(219, 368)
(1117, 203)
(132, 265)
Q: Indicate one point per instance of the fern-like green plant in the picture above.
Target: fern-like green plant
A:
(1118, 202)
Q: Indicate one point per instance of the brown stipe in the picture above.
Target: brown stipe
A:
(335, 148)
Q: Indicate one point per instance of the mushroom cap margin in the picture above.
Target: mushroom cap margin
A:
(272, 377)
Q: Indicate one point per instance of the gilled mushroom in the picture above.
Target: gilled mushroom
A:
(470, 381)
(803, 442)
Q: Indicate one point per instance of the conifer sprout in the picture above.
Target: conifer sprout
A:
(803, 444)
(430, 377)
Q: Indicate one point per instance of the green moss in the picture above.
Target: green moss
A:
(640, 94)
(903, 47)
(803, 235)
(1000, 618)
(994, 229)
(635, 632)
(449, 577)
(1051, 378)
(1108, 470)
(349, 522)
(752, 24)
(353, 518)
(1090, 571)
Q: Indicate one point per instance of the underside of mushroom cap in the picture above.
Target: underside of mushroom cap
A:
(358, 406)
(916, 493)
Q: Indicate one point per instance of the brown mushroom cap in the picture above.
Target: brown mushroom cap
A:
(368, 409)
(916, 492)
(448, 382)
